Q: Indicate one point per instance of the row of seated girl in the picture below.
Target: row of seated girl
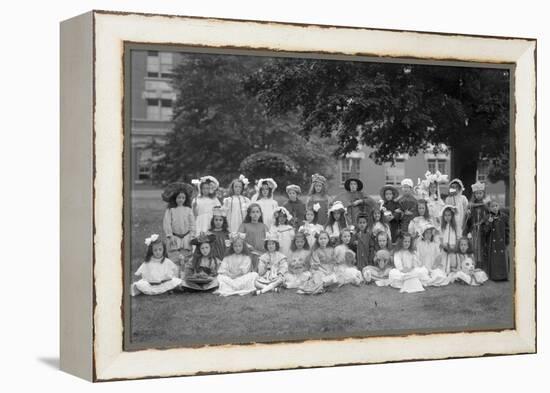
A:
(408, 267)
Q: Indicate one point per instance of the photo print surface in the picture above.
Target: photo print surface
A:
(280, 197)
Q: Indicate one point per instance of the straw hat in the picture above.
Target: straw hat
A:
(317, 178)
(204, 237)
(478, 186)
(389, 187)
(270, 183)
(293, 187)
(336, 206)
(457, 181)
(174, 189)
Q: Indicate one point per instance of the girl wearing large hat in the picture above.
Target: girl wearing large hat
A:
(264, 198)
(178, 222)
(355, 201)
(200, 274)
(389, 195)
(294, 205)
(336, 221)
(205, 202)
(318, 195)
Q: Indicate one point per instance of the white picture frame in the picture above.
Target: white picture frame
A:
(92, 189)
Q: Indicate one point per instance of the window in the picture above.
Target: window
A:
(482, 171)
(435, 165)
(144, 164)
(350, 168)
(396, 173)
(159, 109)
(159, 64)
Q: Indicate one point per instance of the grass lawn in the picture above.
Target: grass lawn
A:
(198, 318)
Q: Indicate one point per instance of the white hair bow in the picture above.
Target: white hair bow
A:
(153, 238)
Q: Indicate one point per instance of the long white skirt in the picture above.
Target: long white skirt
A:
(293, 280)
(242, 285)
(146, 288)
(348, 275)
(409, 282)
(477, 277)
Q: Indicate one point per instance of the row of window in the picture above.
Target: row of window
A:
(351, 168)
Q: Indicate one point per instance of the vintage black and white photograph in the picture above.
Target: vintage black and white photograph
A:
(279, 197)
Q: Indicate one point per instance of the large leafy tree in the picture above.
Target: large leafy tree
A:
(395, 108)
(217, 124)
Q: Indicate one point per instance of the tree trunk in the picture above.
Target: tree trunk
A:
(464, 167)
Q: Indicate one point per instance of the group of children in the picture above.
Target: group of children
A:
(410, 239)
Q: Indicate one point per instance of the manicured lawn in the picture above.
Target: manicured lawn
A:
(195, 318)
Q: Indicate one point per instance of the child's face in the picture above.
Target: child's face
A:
(300, 242)
(433, 188)
(447, 216)
(336, 215)
(218, 222)
(428, 234)
(271, 246)
(255, 214)
(309, 216)
(292, 195)
(382, 241)
(346, 237)
(237, 188)
(205, 189)
(406, 189)
(377, 214)
(318, 187)
(388, 195)
(453, 189)
(352, 186)
(494, 207)
(362, 223)
(478, 195)
(205, 249)
(158, 250)
(463, 246)
(180, 199)
(265, 190)
(421, 209)
(323, 239)
(282, 219)
(238, 246)
(406, 242)
(381, 262)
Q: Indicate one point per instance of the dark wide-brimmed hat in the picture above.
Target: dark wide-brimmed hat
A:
(204, 237)
(173, 189)
(359, 183)
(389, 187)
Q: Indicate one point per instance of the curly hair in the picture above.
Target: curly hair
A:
(399, 245)
(248, 219)
(149, 252)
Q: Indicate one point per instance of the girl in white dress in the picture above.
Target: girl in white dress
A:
(448, 239)
(422, 219)
(427, 251)
(236, 204)
(378, 273)
(285, 231)
(310, 228)
(158, 273)
(408, 275)
(460, 202)
(205, 202)
(235, 274)
(298, 265)
(336, 222)
(264, 198)
(429, 189)
(272, 266)
(346, 272)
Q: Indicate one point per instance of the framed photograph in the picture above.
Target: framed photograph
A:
(246, 195)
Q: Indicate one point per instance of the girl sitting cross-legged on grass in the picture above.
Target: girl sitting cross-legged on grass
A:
(158, 273)
(272, 266)
(322, 266)
(379, 272)
(346, 272)
(200, 274)
(235, 274)
(428, 251)
(408, 275)
(298, 264)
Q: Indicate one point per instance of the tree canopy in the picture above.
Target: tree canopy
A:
(395, 108)
(217, 124)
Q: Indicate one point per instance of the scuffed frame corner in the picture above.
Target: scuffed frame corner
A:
(111, 30)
